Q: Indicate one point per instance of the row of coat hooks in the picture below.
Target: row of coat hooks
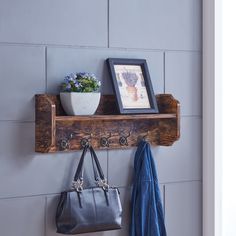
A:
(104, 140)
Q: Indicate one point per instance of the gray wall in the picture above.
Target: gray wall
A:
(42, 41)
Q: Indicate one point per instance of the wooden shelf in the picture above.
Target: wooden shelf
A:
(55, 131)
(116, 117)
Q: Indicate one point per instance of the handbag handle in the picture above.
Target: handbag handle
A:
(77, 183)
(104, 183)
(96, 176)
(80, 165)
(79, 171)
(95, 158)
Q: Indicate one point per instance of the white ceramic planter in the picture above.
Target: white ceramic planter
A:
(80, 103)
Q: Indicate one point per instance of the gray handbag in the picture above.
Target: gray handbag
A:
(92, 209)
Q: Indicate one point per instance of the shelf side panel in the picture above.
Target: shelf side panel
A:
(168, 104)
(45, 113)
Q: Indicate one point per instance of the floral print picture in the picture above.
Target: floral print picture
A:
(132, 88)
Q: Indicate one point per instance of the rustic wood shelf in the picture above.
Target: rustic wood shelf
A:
(55, 131)
(116, 117)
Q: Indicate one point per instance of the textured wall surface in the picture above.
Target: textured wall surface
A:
(42, 41)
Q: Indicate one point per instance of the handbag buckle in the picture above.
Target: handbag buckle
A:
(104, 184)
(78, 185)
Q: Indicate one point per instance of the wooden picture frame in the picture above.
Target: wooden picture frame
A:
(132, 86)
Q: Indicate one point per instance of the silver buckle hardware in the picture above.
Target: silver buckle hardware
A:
(78, 185)
(104, 184)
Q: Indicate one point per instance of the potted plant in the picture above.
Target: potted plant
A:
(80, 94)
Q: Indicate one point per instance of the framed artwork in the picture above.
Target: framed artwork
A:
(132, 85)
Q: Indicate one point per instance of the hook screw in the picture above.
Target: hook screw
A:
(123, 139)
(84, 142)
(104, 141)
(65, 143)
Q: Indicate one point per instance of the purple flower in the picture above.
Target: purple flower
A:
(68, 86)
(70, 78)
(66, 79)
(73, 76)
(81, 82)
(93, 76)
(77, 85)
(82, 74)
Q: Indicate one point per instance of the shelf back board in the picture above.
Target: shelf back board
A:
(55, 131)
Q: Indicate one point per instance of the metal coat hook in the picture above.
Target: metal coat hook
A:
(65, 143)
(143, 138)
(86, 141)
(123, 139)
(104, 141)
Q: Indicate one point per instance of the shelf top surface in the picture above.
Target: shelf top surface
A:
(116, 117)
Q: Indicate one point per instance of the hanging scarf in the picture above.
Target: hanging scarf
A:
(147, 212)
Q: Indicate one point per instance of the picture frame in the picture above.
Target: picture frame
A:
(132, 86)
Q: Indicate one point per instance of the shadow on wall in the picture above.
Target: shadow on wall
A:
(106, 81)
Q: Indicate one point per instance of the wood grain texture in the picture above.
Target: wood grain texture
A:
(116, 117)
(106, 129)
(45, 114)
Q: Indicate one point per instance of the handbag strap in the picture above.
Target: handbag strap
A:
(95, 158)
(96, 176)
(97, 170)
(80, 169)
(79, 172)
